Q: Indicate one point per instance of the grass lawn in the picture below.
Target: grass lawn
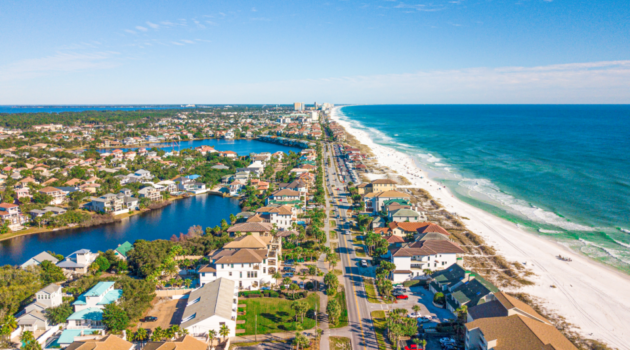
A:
(378, 318)
(372, 294)
(343, 319)
(333, 234)
(340, 343)
(274, 315)
(333, 223)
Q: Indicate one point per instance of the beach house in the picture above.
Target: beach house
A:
(33, 317)
(78, 262)
(210, 307)
(375, 201)
(414, 259)
(38, 259)
(250, 261)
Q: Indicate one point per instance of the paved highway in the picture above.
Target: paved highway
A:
(361, 329)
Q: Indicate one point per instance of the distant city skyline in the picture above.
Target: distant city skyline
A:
(353, 52)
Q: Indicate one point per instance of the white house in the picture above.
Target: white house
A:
(282, 216)
(412, 260)
(210, 307)
(78, 262)
(88, 308)
(250, 261)
(38, 259)
(33, 317)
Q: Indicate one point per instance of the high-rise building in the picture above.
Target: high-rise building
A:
(298, 106)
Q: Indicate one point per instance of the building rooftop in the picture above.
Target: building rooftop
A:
(214, 298)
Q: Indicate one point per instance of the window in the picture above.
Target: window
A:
(203, 274)
(230, 273)
(189, 318)
(240, 274)
(232, 265)
(222, 266)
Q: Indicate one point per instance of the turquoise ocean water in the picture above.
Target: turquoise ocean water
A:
(561, 171)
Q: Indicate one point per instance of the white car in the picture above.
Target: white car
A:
(364, 263)
(424, 319)
(413, 315)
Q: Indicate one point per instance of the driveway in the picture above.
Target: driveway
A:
(167, 311)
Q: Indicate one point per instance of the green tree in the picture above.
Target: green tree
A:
(212, 334)
(115, 318)
(51, 273)
(334, 311)
(59, 314)
(141, 335)
(300, 340)
(277, 276)
(224, 331)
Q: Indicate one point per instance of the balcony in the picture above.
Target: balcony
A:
(256, 267)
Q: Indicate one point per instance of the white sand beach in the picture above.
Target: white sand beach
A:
(588, 294)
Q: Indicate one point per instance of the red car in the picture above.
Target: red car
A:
(412, 347)
(402, 296)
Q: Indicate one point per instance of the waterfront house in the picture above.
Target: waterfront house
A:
(228, 154)
(41, 212)
(406, 215)
(151, 193)
(168, 186)
(38, 259)
(236, 187)
(33, 317)
(420, 230)
(445, 281)
(78, 262)
(476, 290)
(210, 307)
(249, 260)
(412, 260)
(503, 305)
(516, 332)
(108, 203)
(122, 250)
(380, 185)
(375, 201)
(11, 214)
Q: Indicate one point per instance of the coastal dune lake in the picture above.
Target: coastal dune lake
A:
(205, 210)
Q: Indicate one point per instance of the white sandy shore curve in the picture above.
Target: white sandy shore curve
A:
(590, 295)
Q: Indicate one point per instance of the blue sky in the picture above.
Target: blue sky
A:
(439, 51)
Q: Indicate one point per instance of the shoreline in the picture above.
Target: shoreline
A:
(589, 294)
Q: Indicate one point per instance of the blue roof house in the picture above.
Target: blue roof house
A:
(88, 308)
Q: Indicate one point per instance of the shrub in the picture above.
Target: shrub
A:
(309, 285)
(438, 298)
(250, 294)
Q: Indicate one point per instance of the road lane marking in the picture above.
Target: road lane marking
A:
(355, 296)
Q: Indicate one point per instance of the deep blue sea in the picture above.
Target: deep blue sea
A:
(558, 170)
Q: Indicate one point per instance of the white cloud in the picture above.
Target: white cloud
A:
(254, 9)
(130, 31)
(58, 63)
(594, 82)
(188, 41)
(152, 25)
(141, 28)
(177, 43)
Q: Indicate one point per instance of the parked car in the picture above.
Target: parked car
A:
(288, 274)
(289, 262)
(149, 319)
(402, 296)
(364, 263)
(424, 319)
(265, 288)
(301, 284)
(414, 315)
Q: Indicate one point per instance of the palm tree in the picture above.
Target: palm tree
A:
(212, 334)
(277, 276)
(141, 335)
(224, 332)
(27, 338)
(416, 309)
(157, 334)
